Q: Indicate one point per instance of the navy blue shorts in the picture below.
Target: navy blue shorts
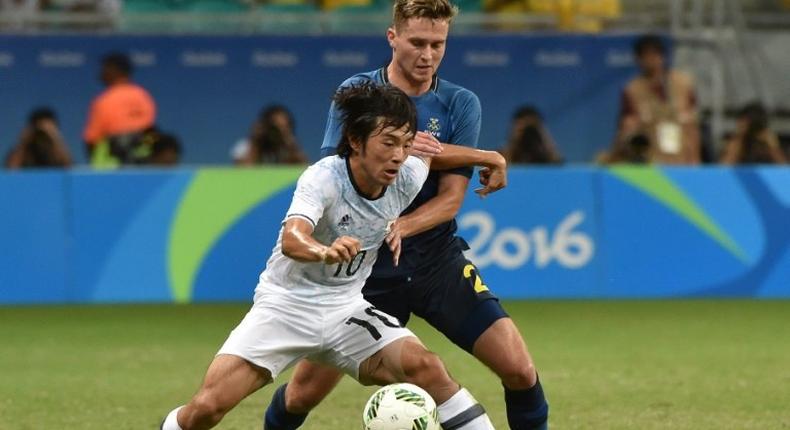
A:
(449, 294)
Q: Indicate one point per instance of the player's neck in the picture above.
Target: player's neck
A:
(363, 183)
(396, 77)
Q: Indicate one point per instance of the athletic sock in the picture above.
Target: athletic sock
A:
(527, 409)
(461, 411)
(277, 417)
(170, 422)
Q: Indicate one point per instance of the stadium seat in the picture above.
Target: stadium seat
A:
(282, 16)
(146, 6)
(213, 6)
(348, 19)
(466, 6)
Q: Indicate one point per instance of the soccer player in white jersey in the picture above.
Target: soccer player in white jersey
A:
(308, 303)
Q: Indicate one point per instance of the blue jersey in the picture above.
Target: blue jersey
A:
(452, 114)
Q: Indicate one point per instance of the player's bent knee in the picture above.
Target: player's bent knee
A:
(207, 407)
(519, 375)
(424, 369)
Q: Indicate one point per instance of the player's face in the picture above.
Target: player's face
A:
(651, 62)
(383, 156)
(418, 47)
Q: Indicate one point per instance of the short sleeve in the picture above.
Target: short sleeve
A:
(413, 174)
(331, 132)
(93, 128)
(311, 195)
(334, 121)
(466, 115)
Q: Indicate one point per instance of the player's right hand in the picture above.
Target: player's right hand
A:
(425, 145)
(344, 249)
(494, 176)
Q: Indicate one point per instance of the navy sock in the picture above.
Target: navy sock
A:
(277, 417)
(527, 409)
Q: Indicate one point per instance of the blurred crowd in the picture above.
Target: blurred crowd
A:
(658, 123)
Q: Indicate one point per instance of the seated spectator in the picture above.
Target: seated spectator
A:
(660, 105)
(40, 144)
(121, 113)
(529, 142)
(271, 140)
(753, 141)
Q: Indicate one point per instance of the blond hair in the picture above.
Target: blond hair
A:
(403, 10)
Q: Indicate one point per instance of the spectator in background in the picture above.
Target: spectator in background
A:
(119, 114)
(271, 140)
(40, 144)
(529, 142)
(165, 150)
(753, 142)
(659, 109)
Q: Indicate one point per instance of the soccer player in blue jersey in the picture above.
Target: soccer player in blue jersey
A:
(431, 278)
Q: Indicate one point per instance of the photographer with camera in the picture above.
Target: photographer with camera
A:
(753, 142)
(658, 114)
(40, 144)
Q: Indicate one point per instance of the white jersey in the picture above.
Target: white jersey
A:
(327, 197)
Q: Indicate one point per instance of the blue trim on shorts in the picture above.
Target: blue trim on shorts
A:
(478, 321)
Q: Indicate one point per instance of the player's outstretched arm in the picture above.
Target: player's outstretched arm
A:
(493, 175)
(298, 243)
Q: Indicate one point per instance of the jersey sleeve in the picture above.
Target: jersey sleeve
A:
(93, 128)
(334, 121)
(311, 196)
(466, 115)
(413, 174)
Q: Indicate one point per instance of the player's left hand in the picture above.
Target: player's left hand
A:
(493, 177)
(425, 145)
(393, 240)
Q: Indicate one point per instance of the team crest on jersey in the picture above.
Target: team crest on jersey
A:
(434, 127)
(345, 222)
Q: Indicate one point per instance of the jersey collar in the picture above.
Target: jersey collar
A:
(386, 80)
(356, 188)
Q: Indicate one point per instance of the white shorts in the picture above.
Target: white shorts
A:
(278, 332)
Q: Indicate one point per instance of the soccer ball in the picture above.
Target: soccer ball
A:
(401, 407)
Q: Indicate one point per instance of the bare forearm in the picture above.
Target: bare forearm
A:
(428, 216)
(302, 247)
(62, 156)
(454, 156)
(731, 152)
(16, 158)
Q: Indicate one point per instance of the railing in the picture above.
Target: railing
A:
(552, 15)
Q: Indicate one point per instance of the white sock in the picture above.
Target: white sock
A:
(171, 423)
(455, 413)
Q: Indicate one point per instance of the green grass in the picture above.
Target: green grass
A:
(604, 365)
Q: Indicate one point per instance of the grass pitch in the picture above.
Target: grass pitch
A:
(604, 365)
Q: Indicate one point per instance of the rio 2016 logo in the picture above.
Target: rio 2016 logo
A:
(511, 248)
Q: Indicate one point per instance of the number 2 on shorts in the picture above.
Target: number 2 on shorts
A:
(470, 269)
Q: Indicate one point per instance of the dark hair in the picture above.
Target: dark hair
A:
(527, 111)
(40, 113)
(266, 116)
(367, 107)
(119, 61)
(531, 148)
(649, 42)
(757, 117)
(166, 142)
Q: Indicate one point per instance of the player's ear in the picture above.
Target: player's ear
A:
(391, 37)
(356, 145)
